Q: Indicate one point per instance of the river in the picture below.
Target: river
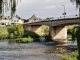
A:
(30, 51)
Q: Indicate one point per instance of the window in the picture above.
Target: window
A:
(17, 20)
(14, 20)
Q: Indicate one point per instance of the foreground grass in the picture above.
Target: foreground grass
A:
(73, 57)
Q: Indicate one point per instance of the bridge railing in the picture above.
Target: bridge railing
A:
(56, 18)
(62, 17)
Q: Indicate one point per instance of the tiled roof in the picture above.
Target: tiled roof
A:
(34, 18)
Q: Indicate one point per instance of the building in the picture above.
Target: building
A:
(34, 19)
(17, 20)
(6, 20)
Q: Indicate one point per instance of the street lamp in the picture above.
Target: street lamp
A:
(64, 13)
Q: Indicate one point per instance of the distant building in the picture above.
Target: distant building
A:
(26, 20)
(6, 20)
(34, 18)
(17, 20)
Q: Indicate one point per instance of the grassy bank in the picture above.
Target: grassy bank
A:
(3, 32)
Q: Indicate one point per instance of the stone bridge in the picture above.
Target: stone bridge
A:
(57, 27)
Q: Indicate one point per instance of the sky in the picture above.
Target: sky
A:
(45, 8)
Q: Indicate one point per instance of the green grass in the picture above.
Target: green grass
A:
(73, 57)
(3, 33)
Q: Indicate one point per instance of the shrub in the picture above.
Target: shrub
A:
(11, 36)
(16, 30)
(25, 40)
(30, 40)
(69, 31)
(19, 40)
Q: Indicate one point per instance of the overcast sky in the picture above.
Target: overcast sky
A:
(45, 8)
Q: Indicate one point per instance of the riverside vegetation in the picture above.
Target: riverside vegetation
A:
(18, 33)
(72, 57)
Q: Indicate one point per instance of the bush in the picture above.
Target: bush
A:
(11, 36)
(19, 40)
(30, 40)
(69, 31)
(25, 40)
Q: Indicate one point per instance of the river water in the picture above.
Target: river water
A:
(31, 51)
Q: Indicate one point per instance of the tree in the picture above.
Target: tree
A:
(20, 30)
(15, 31)
(77, 4)
(8, 5)
(76, 30)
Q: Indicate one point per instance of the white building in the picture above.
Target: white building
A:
(5, 21)
(8, 21)
(17, 20)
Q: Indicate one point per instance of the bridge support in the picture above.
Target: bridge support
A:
(59, 33)
(35, 28)
(27, 27)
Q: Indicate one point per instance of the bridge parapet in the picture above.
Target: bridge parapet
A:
(55, 18)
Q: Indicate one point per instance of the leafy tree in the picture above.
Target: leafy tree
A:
(76, 30)
(77, 4)
(19, 30)
(11, 32)
(8, 5)
(15, 31)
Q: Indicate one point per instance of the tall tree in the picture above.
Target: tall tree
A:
(77, 2)
(76, 30)
(8, 5)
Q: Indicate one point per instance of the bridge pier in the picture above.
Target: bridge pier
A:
(28, 27)
(35, 28)
(59, 33)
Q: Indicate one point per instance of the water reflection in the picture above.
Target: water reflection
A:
(11, 41)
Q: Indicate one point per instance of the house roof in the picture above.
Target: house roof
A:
(18, 17)
(6, 18)
(34, 18)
